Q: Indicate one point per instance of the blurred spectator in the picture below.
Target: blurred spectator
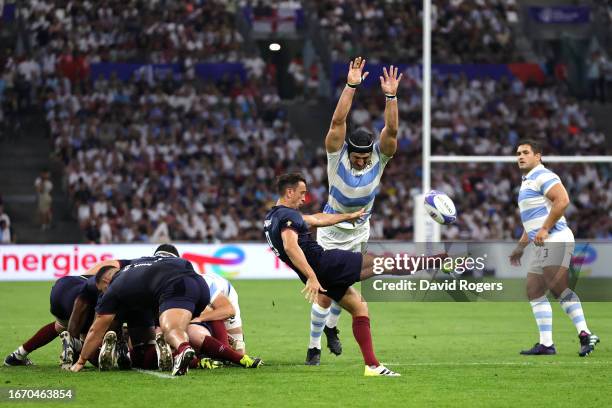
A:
(44, 186)
(596, 76)
(4, 216)
(5, 232)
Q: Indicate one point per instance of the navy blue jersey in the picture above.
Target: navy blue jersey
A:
(63, 294)
(281, 217)
(141, 283)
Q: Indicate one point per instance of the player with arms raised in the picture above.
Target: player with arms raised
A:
(355, 165)
(542, 201)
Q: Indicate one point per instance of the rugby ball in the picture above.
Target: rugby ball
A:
(440, 207)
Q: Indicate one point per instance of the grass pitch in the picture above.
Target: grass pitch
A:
(449, 355)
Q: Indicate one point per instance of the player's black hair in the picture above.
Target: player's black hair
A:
(102, 271)
(536, 146)
(360, 141)
(166, 250)
(287, 180)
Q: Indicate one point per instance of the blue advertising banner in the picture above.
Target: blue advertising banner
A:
(471, 71)
(125, 71)
(561, 14)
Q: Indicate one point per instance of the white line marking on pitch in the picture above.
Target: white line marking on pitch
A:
(526, 363)
(155, 374)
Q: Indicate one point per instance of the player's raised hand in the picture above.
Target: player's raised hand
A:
(356, 74)
(312, 289)
(390, 80)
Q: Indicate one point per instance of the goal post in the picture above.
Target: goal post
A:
(425, 228)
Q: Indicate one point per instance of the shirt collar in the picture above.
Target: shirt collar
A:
(536, 168)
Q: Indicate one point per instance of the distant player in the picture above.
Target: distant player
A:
(329, 271)
(355, 164)
(542, 201)
(168, 284)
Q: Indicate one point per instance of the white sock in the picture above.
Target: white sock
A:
(570, 303)
(334, 315)
(318, 315)
(542, 311)
(237, 336)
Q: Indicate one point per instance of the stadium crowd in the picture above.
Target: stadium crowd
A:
(133, 31)
(487, 117)
(158, 159)
(463, 31)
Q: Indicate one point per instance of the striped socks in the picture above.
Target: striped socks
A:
(318, 316)
(570, 303)
(334, 315)
(542, 311)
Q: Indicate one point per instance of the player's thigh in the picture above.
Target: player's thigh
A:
(353, 303)
(174, 318)
(536, 285)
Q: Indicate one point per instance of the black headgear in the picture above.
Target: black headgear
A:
(166, 250)
(360, 141)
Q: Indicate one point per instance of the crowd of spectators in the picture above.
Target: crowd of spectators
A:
(487, 117)
(167, 158)
(463, 31)
(171, 160)
(152, 31)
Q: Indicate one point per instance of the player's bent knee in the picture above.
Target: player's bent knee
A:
(323, 301)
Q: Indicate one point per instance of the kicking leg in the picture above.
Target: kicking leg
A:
(358, 308)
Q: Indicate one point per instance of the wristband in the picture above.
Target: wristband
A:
(353, 85)
(390, 97)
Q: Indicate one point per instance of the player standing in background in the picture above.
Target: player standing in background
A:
(542, 201)
(355, 165)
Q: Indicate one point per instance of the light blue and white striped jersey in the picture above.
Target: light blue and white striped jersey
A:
(350, 189)
(533, 203)
(217, 285)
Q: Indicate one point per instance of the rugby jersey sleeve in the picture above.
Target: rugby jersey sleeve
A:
(546, 180)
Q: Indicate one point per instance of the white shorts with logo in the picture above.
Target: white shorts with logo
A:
(355, 240)
(557, 251)
(235, 321)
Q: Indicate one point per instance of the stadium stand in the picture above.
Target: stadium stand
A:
(181, 158)
(391, 31)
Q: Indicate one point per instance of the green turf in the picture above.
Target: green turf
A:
(449, 354)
